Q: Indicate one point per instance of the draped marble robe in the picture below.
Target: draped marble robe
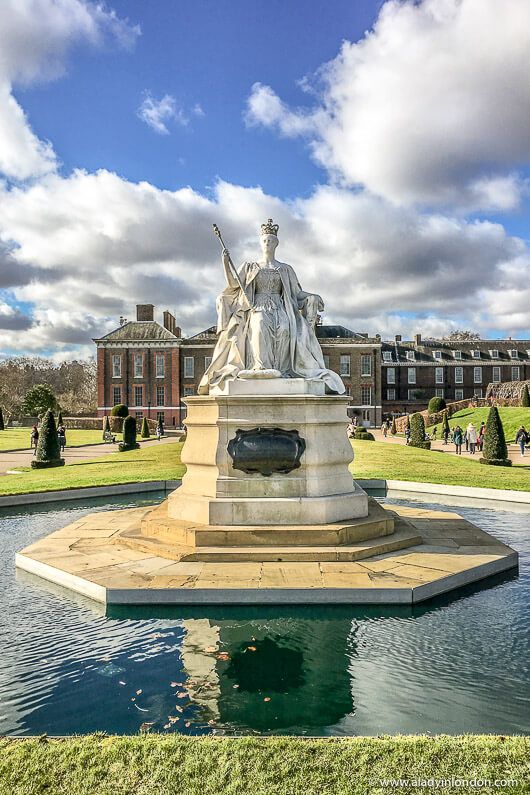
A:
(232, 352)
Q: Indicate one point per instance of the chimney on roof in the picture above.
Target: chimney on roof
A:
(145, 312)
(398, 337)
(170, 323)
(417, 339)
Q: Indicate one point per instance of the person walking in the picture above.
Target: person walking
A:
(433, 434)
(407, 435)
(480, 440)
(385, 430)
(158, 432)
(522, 438)
(457, 439)
(34, 439)
(446, 431)
(61, 435)
(471, 436)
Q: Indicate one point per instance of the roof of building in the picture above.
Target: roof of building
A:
(327, 332)
(138, 330)
(424, 352)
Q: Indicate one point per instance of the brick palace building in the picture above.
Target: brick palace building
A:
(150, 367)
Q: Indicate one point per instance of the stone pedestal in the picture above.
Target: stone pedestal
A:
(291, 415)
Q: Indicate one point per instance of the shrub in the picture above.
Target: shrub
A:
(362, 434)
(129, 435)
(2, 427)
(495, 451)
(393, 429)
(417, 432)
(160, 425)
(48, 452)
(121, 410)
(407, 424)
(38, 400)
(525, 397)
(145, 429)
(106, 426)
(436, 404)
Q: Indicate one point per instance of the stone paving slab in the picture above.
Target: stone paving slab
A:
(90, 557)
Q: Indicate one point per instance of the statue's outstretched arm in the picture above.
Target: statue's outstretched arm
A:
(229, 273)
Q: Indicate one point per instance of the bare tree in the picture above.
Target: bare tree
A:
(461, 335)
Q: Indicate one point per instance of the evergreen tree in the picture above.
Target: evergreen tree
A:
(417, 432)
(2, 427)
(495, 451)
(145, 429)
(48, 451)
(525, 397)
(38, 400)
(129, 434)
(393, 429)
(106, 426)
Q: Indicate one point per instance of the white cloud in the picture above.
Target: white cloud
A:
(157, 112)
(35, 37)
(431, 106)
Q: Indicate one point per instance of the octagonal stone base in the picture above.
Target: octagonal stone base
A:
(107, 557)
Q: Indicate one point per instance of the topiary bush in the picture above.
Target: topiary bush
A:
(106, 426)
(144, 433)
(362, 434)
(60, 418)
(525, 398)
(495, 451)
(446, 428)
(160, 425)
(121, 410)
(393, 429)
(48, 451)
(129, 435)
(417, 432)
(2, 427)
(436, 404)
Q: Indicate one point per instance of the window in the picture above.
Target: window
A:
(366, 416)
(515, 373)
(411, 375)
(437, 354)
(116, 395)
(207, 362)
(494, 354)
(459, 394)
(366, 364)
(391, 375)
(138, 395)
(439, 375)
(413, 393)
(344, 364)
(139, 415)
(366, 395)
(411, 355)
(459, 375)
(496, 377)
(188, 391)
(390, 394)
(457, 354)
(348, 389)
(116, 365)
(439, 392)
(326, 361)
(475, 354)
(477, 392)
(477, 375)
(160, 365)
(160, 416)
(513, 354)
(189, 367)
(138, 365)
(387, 356)
(160, 395)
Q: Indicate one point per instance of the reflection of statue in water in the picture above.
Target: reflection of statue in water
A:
(266, 324)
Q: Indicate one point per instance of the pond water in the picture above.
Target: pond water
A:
(455, 664)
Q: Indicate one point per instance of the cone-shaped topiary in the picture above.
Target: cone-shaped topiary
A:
(129, 435)
(2, 427)
(436, 404)
(495, 451)
(48, 451)
(525, 397)
(161, 426)
(446, 428)
(417, 432)
(106, 426)
(121, 410)
(145, 429)
(393, 429)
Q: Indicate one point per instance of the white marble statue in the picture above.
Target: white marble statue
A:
(266, 323)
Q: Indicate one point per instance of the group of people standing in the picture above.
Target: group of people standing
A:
(472, 438)
(34, 437)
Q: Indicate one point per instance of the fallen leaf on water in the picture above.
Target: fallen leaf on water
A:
(251, 648)
(138, 692)
(266, 699)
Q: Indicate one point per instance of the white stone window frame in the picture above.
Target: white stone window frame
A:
(114, 390)
(477, 375)
(496, 374)
(138, 390)
(189, 369)
(345, 364)
(459, 394)
(411, 395)
(160, 371)
(391, 394)
(391, 375)
(459, 375)
(366, 390)
(439, 375)
(160, 390)
(475, 354)
(513, 353)
(138, 365)
(116, 360)
(516, 373)
(457, 354)
(387, 356)
(437, 355)
(411, 375)
(494, 354)
(439, 392)
(207, 362)
(411, 356)
(366, 359)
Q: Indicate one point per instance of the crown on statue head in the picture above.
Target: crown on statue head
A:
(269, 228)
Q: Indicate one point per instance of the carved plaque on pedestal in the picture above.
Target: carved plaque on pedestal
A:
(266, 450)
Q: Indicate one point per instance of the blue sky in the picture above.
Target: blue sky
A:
(390, 139)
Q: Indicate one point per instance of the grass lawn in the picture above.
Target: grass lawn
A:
(512, 418)
(399, 462)
(158, 765)
(135, 466)
(18, 438)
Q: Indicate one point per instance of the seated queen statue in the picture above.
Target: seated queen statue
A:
(266, 324)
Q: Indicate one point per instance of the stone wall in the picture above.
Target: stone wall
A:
(507, 393)
(452, 408)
